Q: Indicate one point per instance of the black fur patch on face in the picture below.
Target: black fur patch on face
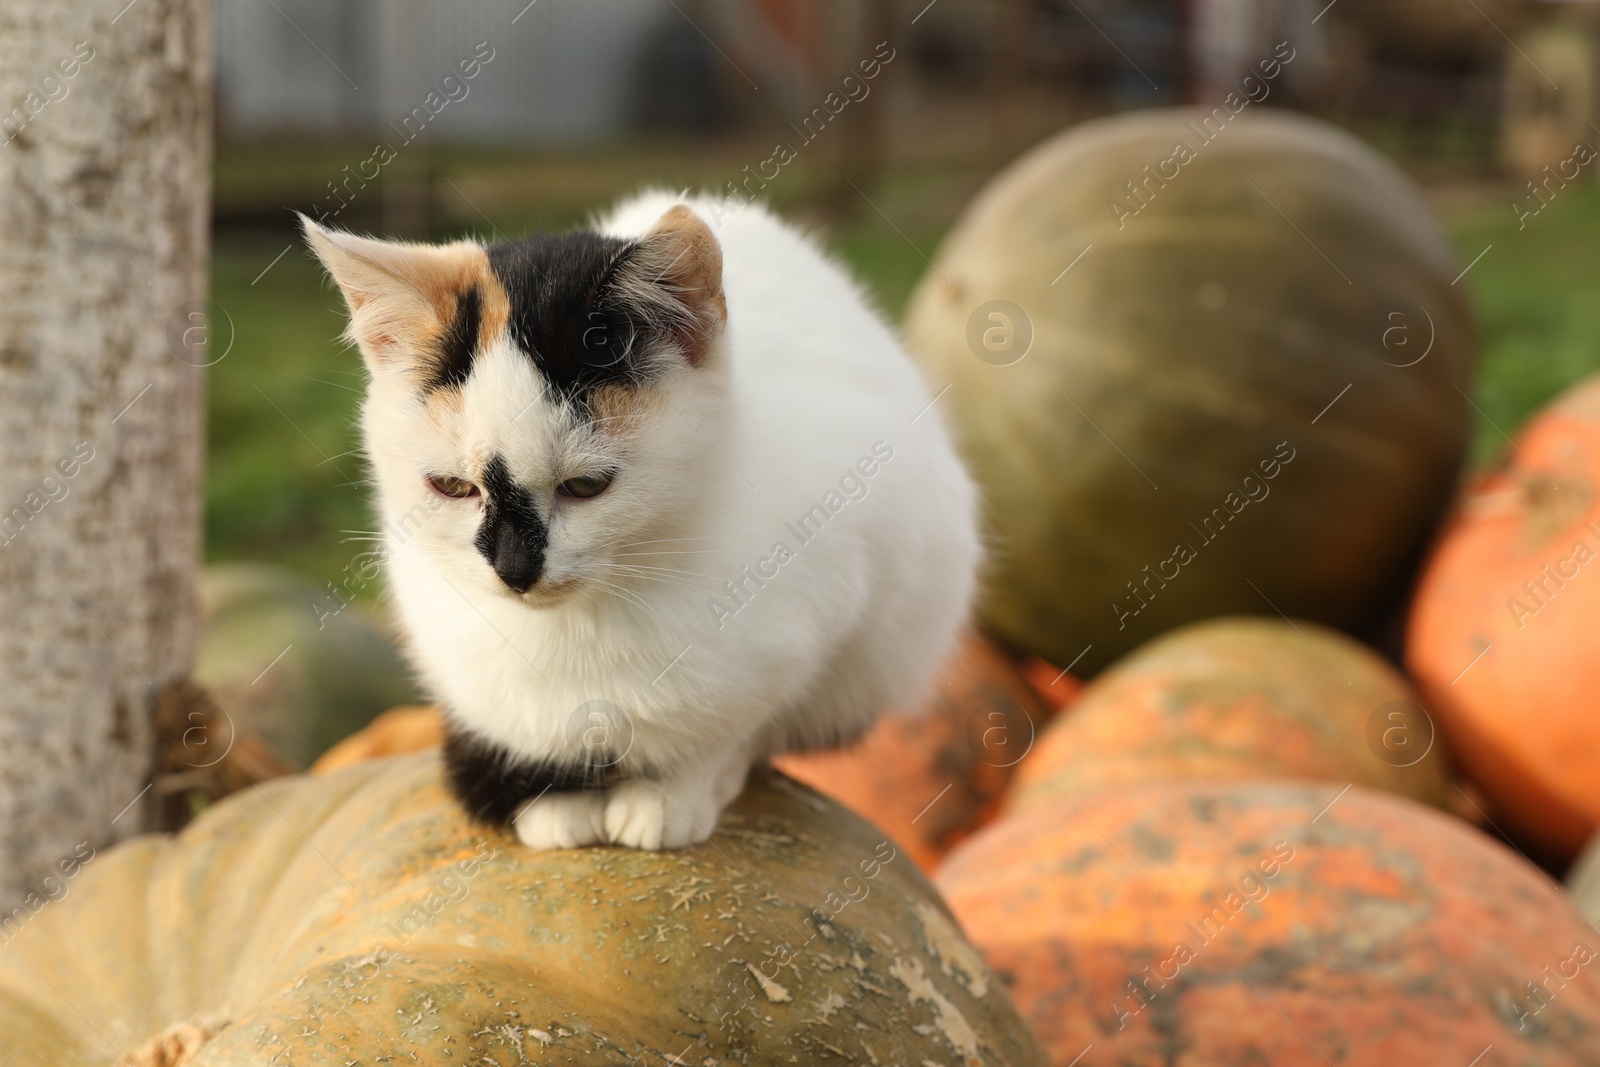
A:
(492, 783)
(565, 311)
(458, 343)
(513, 535)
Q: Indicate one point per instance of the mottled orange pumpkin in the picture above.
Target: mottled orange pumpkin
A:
(356, 918)
(1205, 924)
(1504, 635)
(932, 776)
(1236, 699)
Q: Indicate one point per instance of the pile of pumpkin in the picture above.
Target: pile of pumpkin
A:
(1261, 749)
(1220, 423)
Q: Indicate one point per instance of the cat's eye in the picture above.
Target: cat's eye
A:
(458, 488)
(587, 485)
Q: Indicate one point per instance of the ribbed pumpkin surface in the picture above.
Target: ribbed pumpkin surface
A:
(1238, 700)
(1214, 925)
(932, 776)
(1214, 416)
(1504, 635)
(331, 921)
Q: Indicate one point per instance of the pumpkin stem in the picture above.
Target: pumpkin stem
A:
(177, 1045)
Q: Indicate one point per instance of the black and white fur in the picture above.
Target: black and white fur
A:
(786, 546)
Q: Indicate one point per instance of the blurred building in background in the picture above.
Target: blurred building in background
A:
(604, 68)
(1508, 85)
(352, 67)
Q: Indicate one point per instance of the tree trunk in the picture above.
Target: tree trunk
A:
(105, 155)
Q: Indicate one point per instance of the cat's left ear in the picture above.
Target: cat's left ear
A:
(675, 282)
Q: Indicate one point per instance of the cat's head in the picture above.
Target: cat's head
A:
(548, 404)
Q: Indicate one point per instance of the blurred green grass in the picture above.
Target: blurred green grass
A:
(1535, 291)
(284, 476)
(281, 473)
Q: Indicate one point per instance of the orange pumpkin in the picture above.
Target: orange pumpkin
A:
(1297, 924)
(1241, 698)
(409, 728)
(1502, 635)
(932, 776)
(1056, 687)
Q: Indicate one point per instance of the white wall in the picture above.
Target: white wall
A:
(561, 71)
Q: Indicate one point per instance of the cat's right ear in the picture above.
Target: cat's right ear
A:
(402, 296)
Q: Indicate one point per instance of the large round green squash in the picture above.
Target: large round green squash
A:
(1243, 391)
(358, 919)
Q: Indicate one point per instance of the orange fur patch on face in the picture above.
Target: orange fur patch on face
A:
(496, 309)
(425, 309)
(444, 405)
(441, 273)
(618, 409)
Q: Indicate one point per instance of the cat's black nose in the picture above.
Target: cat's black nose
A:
(513, 535)
(515, 556)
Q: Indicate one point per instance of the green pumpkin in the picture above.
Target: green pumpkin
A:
(1241, 391)
(357, 918)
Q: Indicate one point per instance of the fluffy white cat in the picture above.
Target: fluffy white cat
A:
(661, 499)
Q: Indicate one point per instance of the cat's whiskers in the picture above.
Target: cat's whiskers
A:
(341, 455)
(627, 596)
(657, 541)
(645, 569)
(640, 579)
(666, 579)
(660, 552)
(616, 549)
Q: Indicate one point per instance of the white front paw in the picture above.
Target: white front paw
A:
(644, 814)
(562, 820)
